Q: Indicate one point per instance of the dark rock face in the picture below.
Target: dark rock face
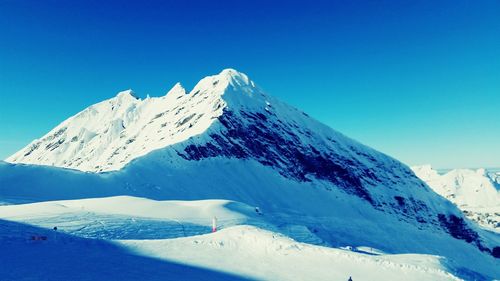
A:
(287, 148)
(496, 252)
(458, 229)
(52, 145)
(401, 201)
(273, 143)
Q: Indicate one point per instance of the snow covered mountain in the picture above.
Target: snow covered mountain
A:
(226, 139)
(224, 115)
(228, 116)
(108, 135)
(476, 192)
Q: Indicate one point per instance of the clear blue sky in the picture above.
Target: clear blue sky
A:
(418, 80)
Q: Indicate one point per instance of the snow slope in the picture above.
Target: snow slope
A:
(264, 255)
(476, 192)
(126, 217)
(71, 257)
(236, 250)
(302, 211)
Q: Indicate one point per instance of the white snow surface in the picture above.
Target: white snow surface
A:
(464, 187)
(238, 250)
(303, 212)
(186, 211)
(264, 255)
(108, 135)
(476, 192)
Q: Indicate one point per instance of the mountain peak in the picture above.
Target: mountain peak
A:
(177, 91)
(178, 86)
(127, 94)
(235, 88)
(109, 134)
(228, 82)
(232, 73)
(235, 78)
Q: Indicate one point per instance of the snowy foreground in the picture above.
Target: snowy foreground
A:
(129, 238)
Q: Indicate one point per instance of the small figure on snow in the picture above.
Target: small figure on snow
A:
(214, 224)
(257, 210)
(55, 233)
(350, 279)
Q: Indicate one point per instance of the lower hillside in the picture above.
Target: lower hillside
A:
(127, 238)
(231, 190)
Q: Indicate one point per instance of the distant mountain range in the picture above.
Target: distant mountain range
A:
(476, 192)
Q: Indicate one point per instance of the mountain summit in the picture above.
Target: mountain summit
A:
(108, 135)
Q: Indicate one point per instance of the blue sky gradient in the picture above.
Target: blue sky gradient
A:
(418, 80)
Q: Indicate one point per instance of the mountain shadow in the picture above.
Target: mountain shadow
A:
(33, 253)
